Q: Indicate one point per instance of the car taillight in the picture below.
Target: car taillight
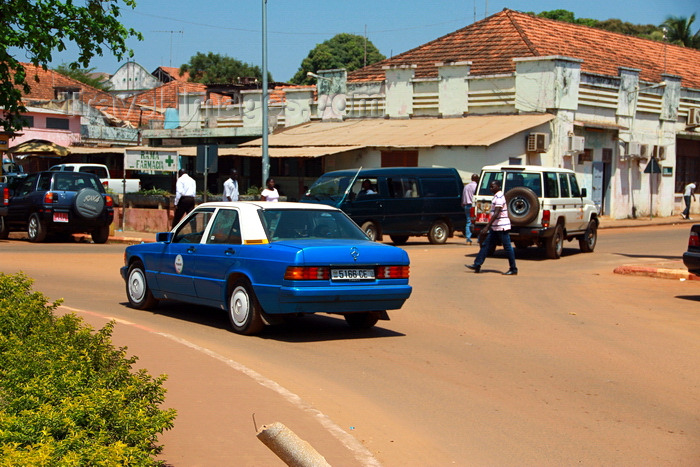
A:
(545, 218)
(472, 211)
(50, 197)
(6, 196)
(307, 273)
(109, 201)
(392, 272)
(694, 239)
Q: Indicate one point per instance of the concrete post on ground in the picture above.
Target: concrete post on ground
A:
(294, 451)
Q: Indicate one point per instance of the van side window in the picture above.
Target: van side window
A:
(551, 186)
(575, 191)
(438, 187)
(564, 183)
(364, 187)
(403, 187)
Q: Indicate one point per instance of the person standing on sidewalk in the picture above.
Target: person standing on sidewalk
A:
(231, 187)
(496, 229)
(185, 191)
(688, 195)
(467, 198)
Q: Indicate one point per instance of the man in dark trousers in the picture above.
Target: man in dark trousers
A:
(185, 191)
(496, 229)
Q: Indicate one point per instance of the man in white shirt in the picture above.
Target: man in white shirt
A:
(231, 187)
(688, 194)
(185, 191)
(467, 199)
(496, 229)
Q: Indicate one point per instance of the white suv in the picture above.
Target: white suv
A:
(545, 206)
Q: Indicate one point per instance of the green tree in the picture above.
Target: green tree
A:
(35, 29)
(342, 51)
(84, 75)
(214, 68)
(679, 31)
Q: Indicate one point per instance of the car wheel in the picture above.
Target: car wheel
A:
(4, 231)
(555, 243)
(590, 238)
(88, 203)
(523, 206)
(438, 233)
(244, 310)
(364, 320)
(137, 290)
(399, 239)
(36, 230)
(100, 234)
(371, 230)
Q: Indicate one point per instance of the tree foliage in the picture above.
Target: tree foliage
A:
(84, 75)
(342, 51)
(679, 31)
(214, 68)
(39, 28)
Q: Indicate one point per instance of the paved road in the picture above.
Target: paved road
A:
(565, 363)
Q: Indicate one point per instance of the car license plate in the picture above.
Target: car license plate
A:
(60, 217)
(352, 274)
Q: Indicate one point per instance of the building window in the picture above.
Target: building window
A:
(607, 155)
(585, 156)
(399, 158)
(57, 123)
(28, 121)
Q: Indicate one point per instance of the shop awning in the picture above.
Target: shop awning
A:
(38, 147)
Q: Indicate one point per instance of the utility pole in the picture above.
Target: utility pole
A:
(171, 43)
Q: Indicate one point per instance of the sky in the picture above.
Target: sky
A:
(175, 30)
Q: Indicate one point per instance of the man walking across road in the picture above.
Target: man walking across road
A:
(231, 187)
(688, 195)
(467, 198)
(496, 229)
(185, 191)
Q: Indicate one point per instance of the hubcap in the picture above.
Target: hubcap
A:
(239, 306)
(137, 287)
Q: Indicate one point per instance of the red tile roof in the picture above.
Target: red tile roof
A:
(491, 45)
(174, 73)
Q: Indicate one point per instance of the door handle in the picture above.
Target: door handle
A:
(230, 252)
(191, 249)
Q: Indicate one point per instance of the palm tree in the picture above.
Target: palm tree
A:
(678, 31)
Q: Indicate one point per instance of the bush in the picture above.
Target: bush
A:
(67, 396)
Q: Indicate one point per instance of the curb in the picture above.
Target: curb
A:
(660, 273)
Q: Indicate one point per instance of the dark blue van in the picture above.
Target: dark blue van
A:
(395, 201)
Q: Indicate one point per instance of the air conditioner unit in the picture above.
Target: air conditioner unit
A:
(634, 148)
(576, 143)
(694, 116)
(660, 152)
(537, 142)
(644, 151)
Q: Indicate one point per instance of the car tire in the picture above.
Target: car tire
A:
(523, 205)
(555, 243)
(363, 320)
(371, 230)
(88, 203)
(137, 290)
(4, 231)
(100, 234)
(438, 233)
(36, 230)
(244, 310)
(588, 242)
(399, 239)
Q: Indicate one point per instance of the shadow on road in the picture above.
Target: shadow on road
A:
(692, 298)
(306, 328)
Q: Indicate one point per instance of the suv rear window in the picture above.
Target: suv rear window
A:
(532, 181)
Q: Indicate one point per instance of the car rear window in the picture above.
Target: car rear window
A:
(309, 224)
(76, 181)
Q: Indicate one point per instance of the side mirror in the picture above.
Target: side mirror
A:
(584, 193)
(164, 237)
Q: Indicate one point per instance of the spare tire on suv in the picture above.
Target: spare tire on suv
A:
(523, 205)
(88, 203)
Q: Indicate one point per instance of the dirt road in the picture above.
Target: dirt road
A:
(566, 363)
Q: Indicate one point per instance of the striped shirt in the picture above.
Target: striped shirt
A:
(502, 222)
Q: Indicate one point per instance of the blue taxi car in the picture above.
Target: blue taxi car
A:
(262, 261)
